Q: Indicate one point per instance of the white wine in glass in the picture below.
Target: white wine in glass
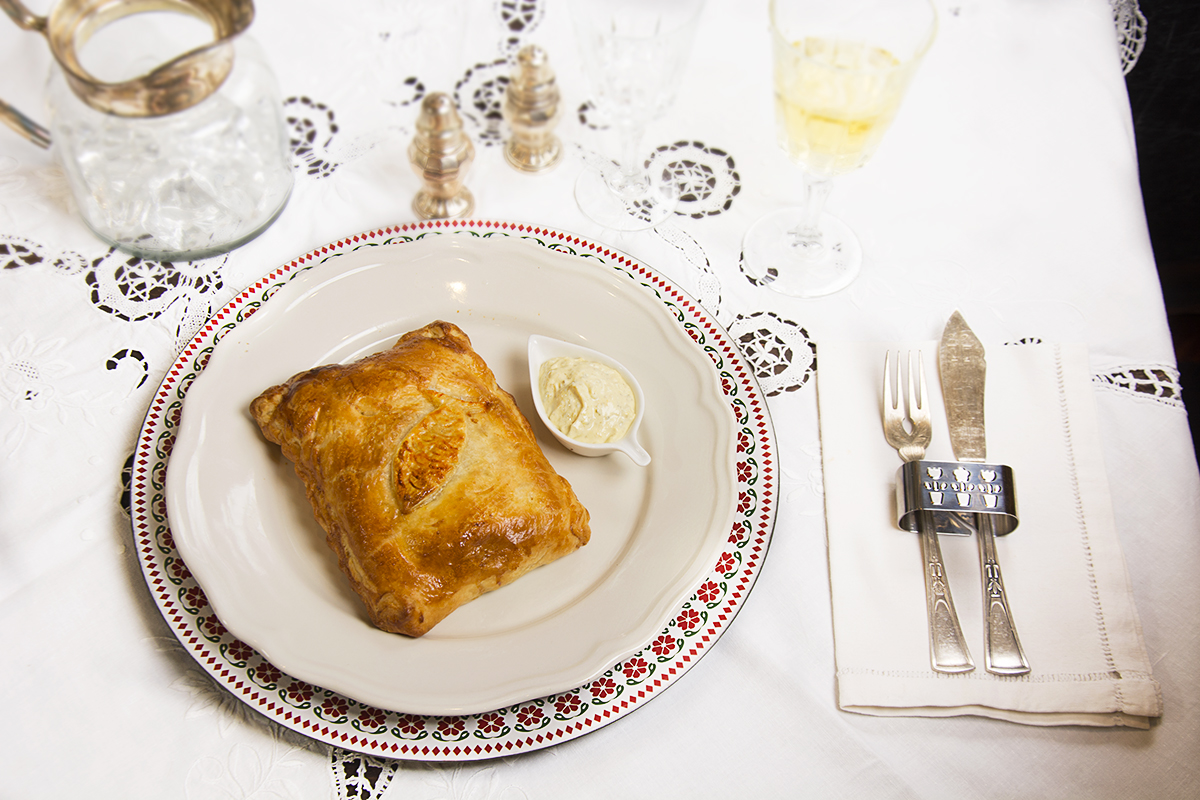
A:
(841, 70)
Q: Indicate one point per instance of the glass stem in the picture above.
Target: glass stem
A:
(631, 176)
(807, 233)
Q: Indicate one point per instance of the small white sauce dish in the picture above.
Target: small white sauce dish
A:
(543, 349)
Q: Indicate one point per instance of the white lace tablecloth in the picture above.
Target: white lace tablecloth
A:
(1007, 188)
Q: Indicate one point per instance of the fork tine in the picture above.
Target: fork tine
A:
(893, 397)
(916, 403)
(919, 412)
(910, 388)
(889, 396)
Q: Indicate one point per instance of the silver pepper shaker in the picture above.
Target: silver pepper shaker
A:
(441, 152)
(531, 110)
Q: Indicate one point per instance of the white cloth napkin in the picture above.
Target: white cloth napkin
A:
(1063, 567)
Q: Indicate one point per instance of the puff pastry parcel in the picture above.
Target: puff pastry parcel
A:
(424, 474)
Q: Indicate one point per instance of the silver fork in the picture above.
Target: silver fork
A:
(947, 646)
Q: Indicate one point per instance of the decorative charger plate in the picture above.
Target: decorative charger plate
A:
(241, 571)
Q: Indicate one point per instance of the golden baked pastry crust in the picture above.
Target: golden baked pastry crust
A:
(425, 475)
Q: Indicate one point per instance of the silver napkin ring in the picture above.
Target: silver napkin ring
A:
(955, 491)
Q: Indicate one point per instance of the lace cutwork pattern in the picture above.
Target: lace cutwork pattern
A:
(360, 777)
(1158, 383)
(312, 128)
(518, 18)
(1131, 31)
(17, 252)
(707, 177)
(782, 354)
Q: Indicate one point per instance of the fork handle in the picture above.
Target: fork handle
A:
(947, 645)
(1002, 653)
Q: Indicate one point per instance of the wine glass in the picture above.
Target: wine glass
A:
(633, 53)
(841, 70)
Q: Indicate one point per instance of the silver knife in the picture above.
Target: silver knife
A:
(963, 371)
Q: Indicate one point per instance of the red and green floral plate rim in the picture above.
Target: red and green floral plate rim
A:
(343, 722)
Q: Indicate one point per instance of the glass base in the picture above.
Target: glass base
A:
(631, 210)
(155, 249)
(778, 260)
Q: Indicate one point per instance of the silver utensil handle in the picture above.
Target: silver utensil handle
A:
(947, 646)
(1001, 648)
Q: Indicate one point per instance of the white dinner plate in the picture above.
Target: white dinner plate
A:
(247, 533)
(241, 571)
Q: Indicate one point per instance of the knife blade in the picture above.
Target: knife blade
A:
(962, 366)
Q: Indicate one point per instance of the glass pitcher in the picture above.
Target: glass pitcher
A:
(184, 159)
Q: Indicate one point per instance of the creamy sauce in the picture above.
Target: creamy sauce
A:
(587, 401)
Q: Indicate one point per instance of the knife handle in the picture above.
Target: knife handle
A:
(1001, 648)
(947, 645)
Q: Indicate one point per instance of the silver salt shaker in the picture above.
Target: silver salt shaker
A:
(440, 153)
(531, 108)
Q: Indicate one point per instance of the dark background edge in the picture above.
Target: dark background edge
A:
(1164, 96)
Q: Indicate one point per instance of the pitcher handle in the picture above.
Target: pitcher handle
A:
(23, 16)
(23, 124)
(10, 116)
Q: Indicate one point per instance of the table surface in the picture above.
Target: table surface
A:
(1007, 188)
